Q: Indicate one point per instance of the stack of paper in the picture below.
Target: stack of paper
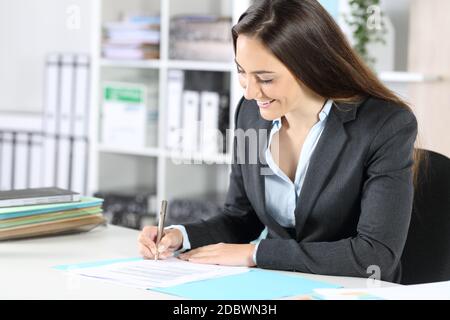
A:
(29, 221)
(201, 37)
(135, 38)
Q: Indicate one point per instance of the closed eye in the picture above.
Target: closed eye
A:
(265, 81)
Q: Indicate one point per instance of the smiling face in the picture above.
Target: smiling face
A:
(267, 80)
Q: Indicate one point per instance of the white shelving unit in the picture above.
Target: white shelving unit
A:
(401, 82)
(407, 77)
(170, 174)
(155, 168)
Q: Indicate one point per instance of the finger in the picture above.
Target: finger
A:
(209, 248)
(182, 257)
(145, 252)
(213, 259)
(166, 255)
(166, 243)
(145, 241)
(189, 254)
(148, 237)
(198, 250)
(201, 255)
(185, 256)
(148, 243)
(150, 232)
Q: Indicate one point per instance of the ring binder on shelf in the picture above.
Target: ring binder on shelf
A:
(66, 129)
(56, 155)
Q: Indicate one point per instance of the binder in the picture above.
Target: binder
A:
(6, 161)
(65, 152)
(50, 130)
(21, 167)
(26, 211)
(224, 122)
(65, 124)
(80, 154)
(80, 166)
(191, 112)
(52, 150)
(174, 105)
(36, 151)
(210, 134)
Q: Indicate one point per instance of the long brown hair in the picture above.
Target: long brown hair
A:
(308, 41)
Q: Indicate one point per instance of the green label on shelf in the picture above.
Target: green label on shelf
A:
(128, 95)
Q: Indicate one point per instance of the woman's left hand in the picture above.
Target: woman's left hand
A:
(222, 254)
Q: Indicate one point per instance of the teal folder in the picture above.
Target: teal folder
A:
(251, 285)
(68, 267)
(25, 211)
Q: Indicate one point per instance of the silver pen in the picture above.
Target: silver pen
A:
(162, 217)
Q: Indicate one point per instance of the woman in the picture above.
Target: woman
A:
(333, 186)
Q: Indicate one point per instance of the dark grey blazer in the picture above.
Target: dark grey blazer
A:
(355, 206)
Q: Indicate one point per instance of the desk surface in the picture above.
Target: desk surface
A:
(26, 273)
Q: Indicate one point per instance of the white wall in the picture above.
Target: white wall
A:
(398, 12)
(29, 29)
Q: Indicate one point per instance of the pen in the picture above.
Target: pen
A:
(162, 217)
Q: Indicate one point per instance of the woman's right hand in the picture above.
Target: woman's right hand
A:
(171, 241)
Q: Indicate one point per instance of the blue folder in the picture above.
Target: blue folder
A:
(251, 285)
(26, 211)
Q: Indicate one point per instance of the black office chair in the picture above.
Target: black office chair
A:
(426, 257)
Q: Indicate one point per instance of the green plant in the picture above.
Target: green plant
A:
(365, 20)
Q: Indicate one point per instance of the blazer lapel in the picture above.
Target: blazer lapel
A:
(322, 161)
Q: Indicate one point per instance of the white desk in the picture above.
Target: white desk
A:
(26, 273)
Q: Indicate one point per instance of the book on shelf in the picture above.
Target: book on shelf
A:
(33, 196)
(134, 38)
(131, 52)
(204, 38)
(143, 19)
(216, 29)
(202, 50)
(130, 25)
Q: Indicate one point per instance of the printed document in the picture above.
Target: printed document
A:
(147, 274)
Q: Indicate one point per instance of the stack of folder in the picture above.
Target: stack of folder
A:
(49, 219)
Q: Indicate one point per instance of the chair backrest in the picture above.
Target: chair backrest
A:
(426, 257)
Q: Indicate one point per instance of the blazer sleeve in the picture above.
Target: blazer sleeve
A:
(238, 222)
(386, 207)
